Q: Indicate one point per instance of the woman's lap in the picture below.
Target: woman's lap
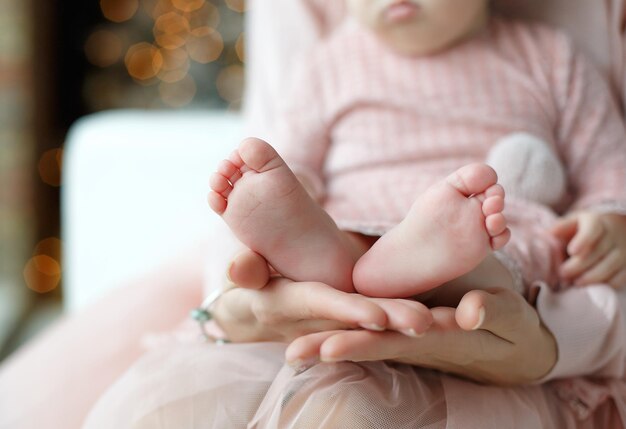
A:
(195, 385)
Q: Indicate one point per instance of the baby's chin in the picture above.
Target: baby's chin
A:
(409, 41)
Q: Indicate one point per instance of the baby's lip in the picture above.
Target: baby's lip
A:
(400, 11)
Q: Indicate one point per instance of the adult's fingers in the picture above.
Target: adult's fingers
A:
(576, 265)
(409, 317)
(590, 230)
(284, 301)
(604, 270)
(619, 280)
(249, 270)
(363, 345)
(502, 312)
(307, 348)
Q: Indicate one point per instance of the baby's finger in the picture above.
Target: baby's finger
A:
(411, 318)
(566, 228)
(603, 271)
(619, 280)
(590, 230)
(577, 265)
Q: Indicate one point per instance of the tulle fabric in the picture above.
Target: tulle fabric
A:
(189, 384)
(199, 385)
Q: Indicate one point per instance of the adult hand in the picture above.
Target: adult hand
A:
(260, 308)
(493, 336)
(284, 310)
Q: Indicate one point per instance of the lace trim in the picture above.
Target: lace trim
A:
(514, 269)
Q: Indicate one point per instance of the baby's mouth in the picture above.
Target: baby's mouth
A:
(401, 11)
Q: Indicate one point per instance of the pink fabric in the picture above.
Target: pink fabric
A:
(375, 129)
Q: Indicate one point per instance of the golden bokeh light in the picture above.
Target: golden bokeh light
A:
(103, 48)
(229, 83)
(119, 10)
(156, 8)
(50, 246)
(42, 273)
(175, 65)
(205, 45)
(240, 47)
(188, 5)
(236, 5)
(171, 30)
(178, 94)
(207, 16)
(143, 61)
(49, 167)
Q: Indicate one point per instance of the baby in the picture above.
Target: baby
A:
(381, 114)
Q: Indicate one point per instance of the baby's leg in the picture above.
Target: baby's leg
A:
(448, 232)
(269, 211)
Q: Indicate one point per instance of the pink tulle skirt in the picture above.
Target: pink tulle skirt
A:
(191, 384)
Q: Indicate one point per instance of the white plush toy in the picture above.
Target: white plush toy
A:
(528, 169)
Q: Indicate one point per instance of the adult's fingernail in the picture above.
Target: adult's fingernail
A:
(228, 270)
(301, 365)
(411, 333)
(481, 318)
(372, 327)
(330, 359)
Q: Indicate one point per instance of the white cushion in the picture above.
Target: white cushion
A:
(134, 193)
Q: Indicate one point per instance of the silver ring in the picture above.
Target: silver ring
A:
(203, 314)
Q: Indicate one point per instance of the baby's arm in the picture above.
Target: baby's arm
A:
(596, 248)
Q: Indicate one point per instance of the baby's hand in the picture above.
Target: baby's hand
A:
(596, 248)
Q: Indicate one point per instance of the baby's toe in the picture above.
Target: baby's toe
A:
(229, 170)
(499, 241)
(495, 224)
(493, 205)
(259, 155)
(217, 202)
(220, 184)
(473, 179)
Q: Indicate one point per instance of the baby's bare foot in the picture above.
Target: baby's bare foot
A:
(269, 211)
(449, 230)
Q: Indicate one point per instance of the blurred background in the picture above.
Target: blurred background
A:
(60, 60)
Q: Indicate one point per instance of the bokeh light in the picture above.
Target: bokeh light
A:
(188, 5)
(229, 83)
(171, 30)
(104, 48)
(240, 47)
(175, 65)
(50, 246)
(192, 48)
(156, 8)
(178, 94)
(49, 167)
(143, 61)
(205, 45)
(119, 10)
(207, 16)
(236, 5)
(42, 273)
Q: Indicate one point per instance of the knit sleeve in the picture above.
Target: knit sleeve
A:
(590, 133)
